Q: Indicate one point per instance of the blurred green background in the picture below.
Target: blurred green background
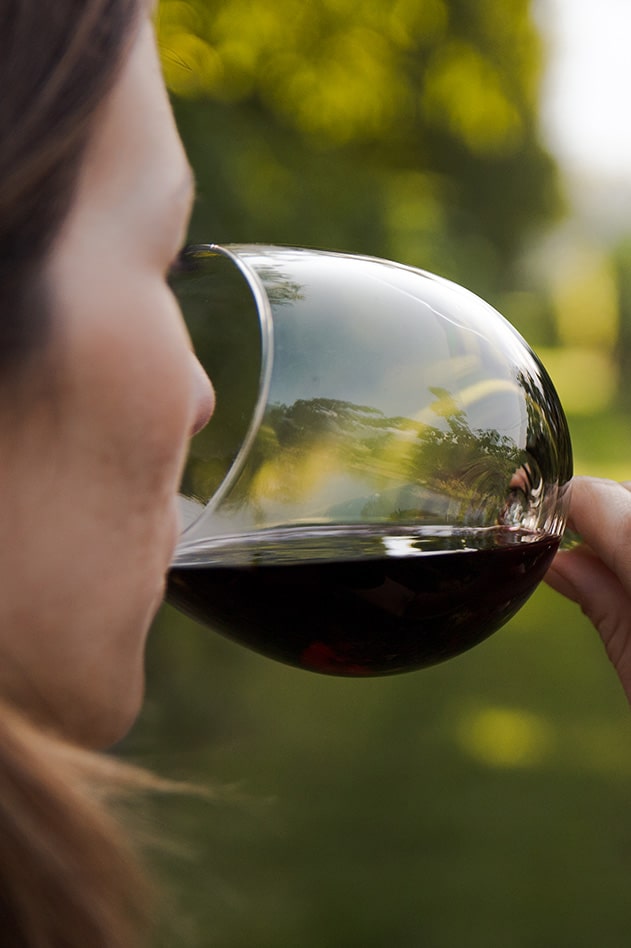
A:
(486, 801)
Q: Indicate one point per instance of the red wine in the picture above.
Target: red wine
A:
(373, 616)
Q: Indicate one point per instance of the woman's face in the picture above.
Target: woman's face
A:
(93, 464)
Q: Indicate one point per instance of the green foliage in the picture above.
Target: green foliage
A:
(404, 129)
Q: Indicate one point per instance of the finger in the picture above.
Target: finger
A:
(600, 511)
(582, 577)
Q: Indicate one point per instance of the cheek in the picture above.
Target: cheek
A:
(133, 386)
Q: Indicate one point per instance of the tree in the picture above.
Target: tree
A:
(405, 129)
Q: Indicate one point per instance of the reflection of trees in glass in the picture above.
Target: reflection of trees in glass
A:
(548, 435)
(366, 465)
(474, 463)
(279, 288)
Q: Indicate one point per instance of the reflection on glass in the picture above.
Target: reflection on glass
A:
(385, 479)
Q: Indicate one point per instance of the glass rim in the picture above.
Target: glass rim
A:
(264, 313)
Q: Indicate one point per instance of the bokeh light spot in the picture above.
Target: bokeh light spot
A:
(505, 737)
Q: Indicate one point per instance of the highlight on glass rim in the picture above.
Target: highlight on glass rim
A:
(315, 339)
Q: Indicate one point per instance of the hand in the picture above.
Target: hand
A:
(597, 574)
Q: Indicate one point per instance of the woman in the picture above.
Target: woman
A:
(100, 394)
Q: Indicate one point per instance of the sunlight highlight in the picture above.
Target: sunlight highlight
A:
(586, 379)
(505, 737)
(585, 296)
(465, 86)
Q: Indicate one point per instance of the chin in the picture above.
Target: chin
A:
(104, 733)
(116, 729)
(103, 723)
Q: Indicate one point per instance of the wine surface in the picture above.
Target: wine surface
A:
(416, 605)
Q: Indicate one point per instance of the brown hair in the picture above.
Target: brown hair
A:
(57, 62)
(68, 878)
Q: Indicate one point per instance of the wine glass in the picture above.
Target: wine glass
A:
(385, 479)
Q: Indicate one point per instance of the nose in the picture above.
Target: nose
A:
(203, 396)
